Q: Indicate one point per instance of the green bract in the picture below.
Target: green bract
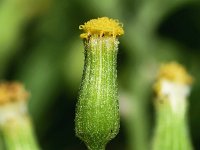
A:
(97, 113)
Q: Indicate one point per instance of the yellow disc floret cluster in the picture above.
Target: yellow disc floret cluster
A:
(172, 72)
(11, 92)
(102, 26)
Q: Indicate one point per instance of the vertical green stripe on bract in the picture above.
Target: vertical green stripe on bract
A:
(97, 112)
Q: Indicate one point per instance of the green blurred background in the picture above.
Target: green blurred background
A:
(40, 46)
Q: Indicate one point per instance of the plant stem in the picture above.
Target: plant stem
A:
(96, 147)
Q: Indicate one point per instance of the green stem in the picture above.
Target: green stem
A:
(96, 147)
(97, 113)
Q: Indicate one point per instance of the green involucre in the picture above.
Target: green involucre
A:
(171, 132)
(97, 111)
(18, 134)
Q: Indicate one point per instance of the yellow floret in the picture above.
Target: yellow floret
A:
(11, 92)
(174, 72)
(102, 26)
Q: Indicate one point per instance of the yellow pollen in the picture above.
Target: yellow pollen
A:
(11, 92)
(102, 27)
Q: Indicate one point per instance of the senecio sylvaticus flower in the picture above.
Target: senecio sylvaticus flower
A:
(97, 118)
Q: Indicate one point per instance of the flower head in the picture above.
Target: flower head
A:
(10, 92)
(174, 72)
(172, 87)
(102, 26)
(173, 82)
